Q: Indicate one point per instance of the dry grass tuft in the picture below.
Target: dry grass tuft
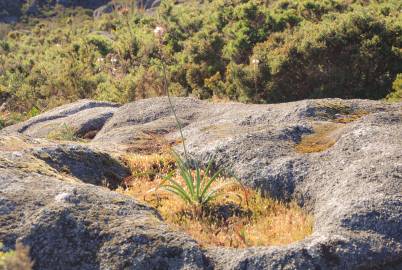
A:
(63, 133)
(240, 218)
(147, 169)
(15, 260)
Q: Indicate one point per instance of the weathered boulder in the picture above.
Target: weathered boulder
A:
(73, 225)
(349, 177)
(82, 117)
(352, 188)
(88, 165)
(106, 9)
(139, 124)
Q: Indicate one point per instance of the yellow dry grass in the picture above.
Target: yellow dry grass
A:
(15, 260)
(351, 117)
(63, 133)
(241, 217)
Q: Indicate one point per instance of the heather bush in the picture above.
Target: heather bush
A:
(304, 49)
(396, 94)
(352, 55)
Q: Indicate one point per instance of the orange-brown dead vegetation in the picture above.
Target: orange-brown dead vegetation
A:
(241, 217)
(323, 138)
(17, 259)
(326, 134)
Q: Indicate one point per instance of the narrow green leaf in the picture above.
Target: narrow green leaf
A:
(188, 180)
(185, 172)
(174, 191)
(209, 183)
(208, 167)
(198, 181)
(177, 185)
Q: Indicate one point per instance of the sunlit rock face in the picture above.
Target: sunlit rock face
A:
(341, 160)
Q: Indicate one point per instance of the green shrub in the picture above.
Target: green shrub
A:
(305, 49)
(107, 91)
(396, 94)
(103, 44)
(352, 55)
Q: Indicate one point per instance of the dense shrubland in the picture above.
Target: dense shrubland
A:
(250, 51)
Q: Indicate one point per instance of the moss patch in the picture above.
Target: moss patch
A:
(338, 111)
(326, 134)
(345, 119)
(322, 138)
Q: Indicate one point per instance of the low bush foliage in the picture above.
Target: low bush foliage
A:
(396, 94)
(304, 48)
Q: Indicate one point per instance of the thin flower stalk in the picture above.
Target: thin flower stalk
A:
(197, 189)
(159, 32)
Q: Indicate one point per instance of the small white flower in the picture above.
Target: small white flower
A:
(255, 61)
(159, 31)
(101, 59)
(113, 60)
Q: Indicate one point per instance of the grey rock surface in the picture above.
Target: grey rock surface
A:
(106, 9)
(73, 225)
(86, 164)
(353, 187)
(82, 117)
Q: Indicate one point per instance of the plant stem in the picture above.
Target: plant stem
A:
(255, 82)
(165, 85)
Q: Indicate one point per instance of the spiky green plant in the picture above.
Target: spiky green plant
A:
(197, 189)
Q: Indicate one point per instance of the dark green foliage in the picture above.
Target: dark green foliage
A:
(301, 49)
(353, 55)
(396, 94)
(103, 44)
